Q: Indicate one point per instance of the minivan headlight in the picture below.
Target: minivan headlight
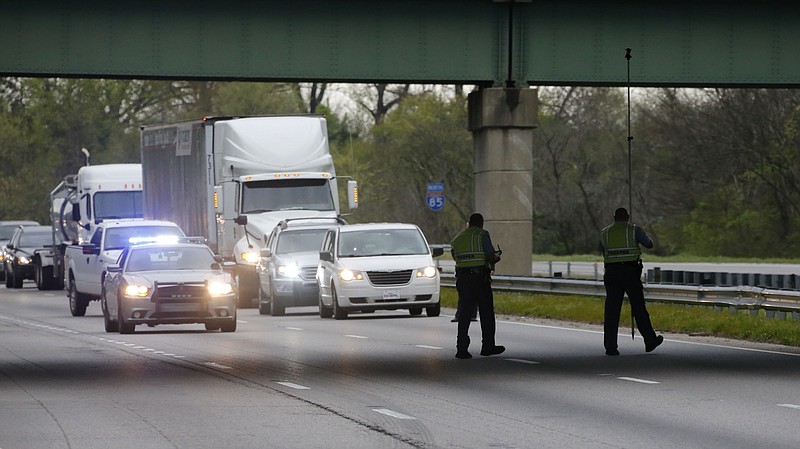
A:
(348, 275)
(291, 271)
(426, 272)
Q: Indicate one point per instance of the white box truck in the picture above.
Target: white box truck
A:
(232, 179)
(78, 204)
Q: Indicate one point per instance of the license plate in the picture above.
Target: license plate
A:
(391, 295)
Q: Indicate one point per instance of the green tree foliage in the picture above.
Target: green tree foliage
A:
(724, 170)
(423, 140)
(580, 167)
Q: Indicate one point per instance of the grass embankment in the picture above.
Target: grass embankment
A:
(665, 317)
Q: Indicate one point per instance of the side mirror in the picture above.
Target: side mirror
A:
(266, 252)
(326, 256)
(437, 251)
(228, 265)
(352, 194)
(113, 268)
(241, 220)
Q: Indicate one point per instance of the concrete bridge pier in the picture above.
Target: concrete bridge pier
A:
(502, 121)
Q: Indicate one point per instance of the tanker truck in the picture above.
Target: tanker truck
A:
(78, 204)
(232, 179)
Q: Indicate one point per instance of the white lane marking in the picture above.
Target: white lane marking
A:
(168, 354)
(293, 385)
(641, 381)
(293, 328)
(217, 365)
(796, 407)
(428, 347)
(149, 349)
(711, 345)
(355, 336)
(241, 321)
(392, 413)
(530, 362)
(180, 356)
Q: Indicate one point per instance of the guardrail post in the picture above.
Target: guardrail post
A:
(569, 269)
(550, 268)
(657, 275)
(596, 272)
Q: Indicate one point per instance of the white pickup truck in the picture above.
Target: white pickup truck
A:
(86, 264)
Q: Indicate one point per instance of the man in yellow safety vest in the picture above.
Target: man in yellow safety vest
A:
(619, 244)
(475, 256)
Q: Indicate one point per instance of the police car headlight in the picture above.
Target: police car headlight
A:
(350, 275)
(251, 257)
(426, 272)
(137, 291)
(22, 260)
(220, 288)
(291, 271)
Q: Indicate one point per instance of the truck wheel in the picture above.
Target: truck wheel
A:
(44, 278)
(77, 304)
(434, 310)
(247, 286)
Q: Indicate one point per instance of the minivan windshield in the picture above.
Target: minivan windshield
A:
(383, 242)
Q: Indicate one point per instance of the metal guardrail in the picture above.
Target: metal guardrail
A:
(734, 298)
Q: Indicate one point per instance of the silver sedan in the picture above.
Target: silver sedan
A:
(168, 283)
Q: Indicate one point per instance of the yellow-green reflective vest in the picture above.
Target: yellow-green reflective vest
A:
(619, 243)
(468, 248)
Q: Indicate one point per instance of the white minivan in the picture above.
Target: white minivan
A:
(377, 266)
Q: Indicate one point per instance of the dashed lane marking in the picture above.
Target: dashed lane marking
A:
(529, 362)
(217, 365)
(392, 413)
(293, 328)
(355, 336)
(428, 347)
(293, 385)
(796, 407)
(641, 381)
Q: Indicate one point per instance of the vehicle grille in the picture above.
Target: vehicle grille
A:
(400, 277)
(183, 292)
(308, 273)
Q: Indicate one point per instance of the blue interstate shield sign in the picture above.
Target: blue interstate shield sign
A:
(435, 197)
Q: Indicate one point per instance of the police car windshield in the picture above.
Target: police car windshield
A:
(383, 242)
(170, 258)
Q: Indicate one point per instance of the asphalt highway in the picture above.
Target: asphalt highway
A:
(381, 380)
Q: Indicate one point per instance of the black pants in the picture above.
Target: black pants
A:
(620, 279)
(475, 290)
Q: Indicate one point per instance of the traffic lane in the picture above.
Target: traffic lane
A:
(405, 380)
(64, 388)
(397, 382)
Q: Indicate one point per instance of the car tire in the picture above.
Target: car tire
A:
(324, 311)
(111, 326)
(211, 326)
(434, 310)
(8, 278)
(229, 326)
(338, 312)
(275, 306)
(77, 301)
(16, 281)
(123, 326)
(414, 311)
